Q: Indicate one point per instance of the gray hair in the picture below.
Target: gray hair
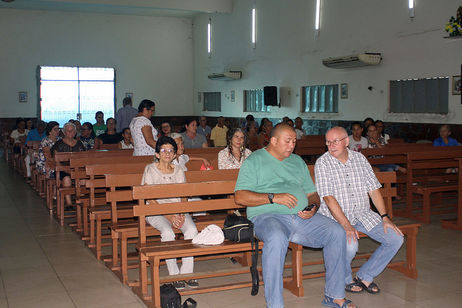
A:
(70, 124)
(176, 135)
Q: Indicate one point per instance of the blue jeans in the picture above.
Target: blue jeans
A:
(390, 244)
(277, 230)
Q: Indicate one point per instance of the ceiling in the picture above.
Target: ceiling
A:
(169, 8)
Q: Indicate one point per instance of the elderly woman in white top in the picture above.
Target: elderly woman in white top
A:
(235, 152)
(143, 133)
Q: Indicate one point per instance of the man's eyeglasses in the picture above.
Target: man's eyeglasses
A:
(335, 142)
(166, 151)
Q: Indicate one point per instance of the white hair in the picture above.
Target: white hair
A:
(176, 135)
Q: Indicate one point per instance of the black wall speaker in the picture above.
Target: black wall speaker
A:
(270, 96)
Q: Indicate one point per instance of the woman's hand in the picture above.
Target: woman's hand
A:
(178, 220)
(206, 162)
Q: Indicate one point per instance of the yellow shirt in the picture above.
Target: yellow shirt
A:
(218, 136)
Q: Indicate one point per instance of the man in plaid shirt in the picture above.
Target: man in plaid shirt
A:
(345, 181)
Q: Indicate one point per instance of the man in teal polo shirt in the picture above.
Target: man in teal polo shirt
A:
(276, 186)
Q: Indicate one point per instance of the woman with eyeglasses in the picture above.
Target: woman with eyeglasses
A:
(165, 172)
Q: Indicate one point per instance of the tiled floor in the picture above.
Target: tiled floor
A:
(45, 265)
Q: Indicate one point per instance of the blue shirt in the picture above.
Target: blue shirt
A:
(204, 131)
(34, 135)
(124, 117)
(439, 142)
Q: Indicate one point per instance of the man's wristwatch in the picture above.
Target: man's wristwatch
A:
(270, 197)
(384, 215)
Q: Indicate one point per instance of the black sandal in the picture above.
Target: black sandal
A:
(372, 288)
(349, 287)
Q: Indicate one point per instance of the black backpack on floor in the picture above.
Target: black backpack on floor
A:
(170, 298)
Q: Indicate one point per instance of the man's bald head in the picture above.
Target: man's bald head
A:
(279, 128)
(337, 132)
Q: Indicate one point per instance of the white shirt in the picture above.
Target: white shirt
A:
(139, 143)
(181, 161)
(357, 146)
(349, 184)
(152, 175)
(15, 135)
(299, 133)
(227, 161)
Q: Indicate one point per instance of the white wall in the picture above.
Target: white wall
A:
(288, 55)
(153, 56)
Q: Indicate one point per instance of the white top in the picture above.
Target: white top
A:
(386, 137)
(124, 146)
(357, 146)
(299, 133)
(181, 161)
(227, 161)
(15, 135)
(152, 175)
(139, 144)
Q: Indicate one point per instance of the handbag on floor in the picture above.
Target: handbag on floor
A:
(171, 298)
(239, 229)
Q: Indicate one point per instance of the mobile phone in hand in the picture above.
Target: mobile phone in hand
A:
(309, 207)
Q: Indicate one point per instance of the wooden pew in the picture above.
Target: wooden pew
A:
(120, 190)
(86, 198)
(457, 222)
(311, 146)
(394, 153)
(427, 174)
(62, 163)
(152, 254)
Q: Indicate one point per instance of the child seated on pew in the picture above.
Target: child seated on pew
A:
(127, 142)
(182, 159)
(165, 172)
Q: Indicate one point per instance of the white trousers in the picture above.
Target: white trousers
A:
(166, 233)
(28, 161)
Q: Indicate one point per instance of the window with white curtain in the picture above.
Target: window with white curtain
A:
(426, 95)
(212, 101)
(254, 101)
(320, 98)
(75, 92)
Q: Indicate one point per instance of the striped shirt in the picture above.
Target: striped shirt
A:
(350, 184)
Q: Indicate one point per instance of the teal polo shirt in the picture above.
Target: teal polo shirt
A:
(263, 173)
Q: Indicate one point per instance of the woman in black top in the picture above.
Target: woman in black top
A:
(110, 136)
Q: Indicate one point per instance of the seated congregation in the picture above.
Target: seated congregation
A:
(325, 205)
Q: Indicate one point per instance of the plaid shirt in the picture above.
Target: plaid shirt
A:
(349, 183)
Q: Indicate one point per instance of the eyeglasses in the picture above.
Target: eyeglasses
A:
(166, 151)
(335, 142)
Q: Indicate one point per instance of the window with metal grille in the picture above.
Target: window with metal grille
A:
(75, 93)
(254, 101)
(212, 101)
(425, 95)
(321, 98)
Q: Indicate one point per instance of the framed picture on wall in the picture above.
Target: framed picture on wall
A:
(22, 97)
(456, 85)
(344, 90)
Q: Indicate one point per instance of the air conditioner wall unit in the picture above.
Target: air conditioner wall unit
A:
(358, 60)
(229, 75)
